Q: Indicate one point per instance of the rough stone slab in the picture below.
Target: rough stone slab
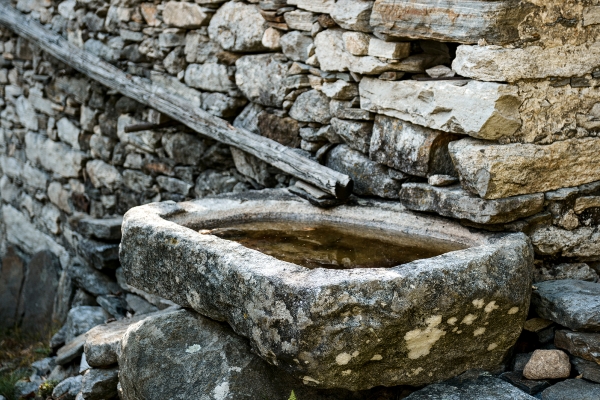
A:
(588, 369)
(100, 384)
(570, 303)
(68, 388)
(186, 356)
(411, 148)
(12, 273)
(483, 110)
(353, 15)
(494, 63)
(39, 291)
(370, 178)
(238, 27)
(70, 351)
(318, 6)
(184, 15)
(100, 255)
(262, 78)
(572, 389)
(212, 77)
(311, 106)
(92, 280)
(529, 386)
(450, 21)
(250, 166)
(102, 229)
(495, 171)
(579, 344)
(356, 134)
(289, 312)
(582, 243)
(482, 388)
(455, 202)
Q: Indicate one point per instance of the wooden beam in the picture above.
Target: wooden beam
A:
(169, 103)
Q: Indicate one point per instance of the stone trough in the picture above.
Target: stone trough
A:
(410, 324)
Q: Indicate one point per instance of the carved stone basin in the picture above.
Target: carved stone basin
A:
(349, 327)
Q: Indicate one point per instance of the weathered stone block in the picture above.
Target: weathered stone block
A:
(411, 148)
(311, 106)
(238, 27)
(455, 202)
(68, 132)
(356, 134)
(495, 171)
(102, 174)
(390, 50)
(579, 344)
(184, 15)
(582, 243)
(416, 328)
(296, 46)
(450, 20)
(102, 229)
(353, 15)
(494, 63)
(262, 78)
(212, 77)
(482, 110)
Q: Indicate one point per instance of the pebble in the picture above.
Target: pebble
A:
(548, 364)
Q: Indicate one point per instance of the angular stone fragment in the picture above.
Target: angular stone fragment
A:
(448, 21)
(587, 369)
(81, 319)
(250, 166)
(68, 132)
(100, 255)
(390, 50)
(548, 364)
(529, 386)
(579, 344)
(356, 43)
(495, 171)
(174, 185)
(100, 383)
(311, 106)
(92, 280)
(492, 63)
(483, 110)
(353, 15)
(454, 202)
(356, 134)
(583, 243)
(26, 113)
(68, 389)
(299, 20)
(318, 6)
(261, 78)
(410, 148)
(585, 202)
(238, 27)
(184, 15)
(102, 174)
(296, 46)
(570, 303)
(370, 178)
(340, 90)
(70, 351)
(212, 77)
(482, 388)
(572, 389)
(103, 229)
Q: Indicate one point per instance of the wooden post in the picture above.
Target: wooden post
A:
(143, 91)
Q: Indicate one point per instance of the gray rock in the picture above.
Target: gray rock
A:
(221, 105)
(92, 280)
(583, 243)
(138, 305)
(441, 180)
(81, 319)
(102, 147)
(68, 132)
(482, 388)
(262, 78)
(201, 358)
(238, 27)
(572, 389)
(12, 274)
(410, 148)
(212, 77)
(493, 171)
(102, 229)
(311, 106)
(229, 282)
(68, 388)
(184, 148)
(570, 303)
(40, 288)
(174, 185)
(184, 15)
(34, 177)
(388, 50)
(214, 182)
(70, 351)
(137, 181)
(296, 46)
(26, 388)
(300, 20)
(102, 174)
(577, 271)
(101, 50)
(587, 369)
(370, 178)
(114, 306)
(100, 384)
(356, 134)
(26, 113)
(579, 344)
(353, 15)
(99, 255)
(340, 90)
(455, 202)
(250, 166)
(283, 130)
(529, 386)
(54, 156)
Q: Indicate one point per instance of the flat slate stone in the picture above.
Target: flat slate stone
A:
(482, 388)
(587, 369)
(572, 389)
(571, 303)
(580, 344)
(101, 229)
(455, 202)
(529, 386)
(431, 319)
(70, 351)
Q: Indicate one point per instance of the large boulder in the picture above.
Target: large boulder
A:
(413, 324)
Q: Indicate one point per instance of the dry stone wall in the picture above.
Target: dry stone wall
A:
(487, 114)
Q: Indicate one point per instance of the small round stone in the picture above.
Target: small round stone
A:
(548, 364)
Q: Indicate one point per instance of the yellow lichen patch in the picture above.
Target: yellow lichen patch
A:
(479, 332)
(491, 306)
(343, 358)
(492, 346)
(377, 357)
(420, 341)
(416, 371)
(452, 321)
(308, 380)
(478, 303)
(513, 310)
(347, 372)
(468, 319)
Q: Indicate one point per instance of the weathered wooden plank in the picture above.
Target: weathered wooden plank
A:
(463, 21)
(159, 98)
